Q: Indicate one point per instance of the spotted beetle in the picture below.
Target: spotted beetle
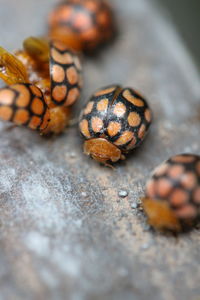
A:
(83, 25)
(114, 121)
(172, 200)
(44, 80)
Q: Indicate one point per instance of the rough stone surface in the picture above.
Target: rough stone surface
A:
(64, 232)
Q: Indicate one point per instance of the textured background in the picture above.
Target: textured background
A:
(64, 231)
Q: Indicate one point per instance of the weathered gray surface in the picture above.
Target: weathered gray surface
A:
(64, 232)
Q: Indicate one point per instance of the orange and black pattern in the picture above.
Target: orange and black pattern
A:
(23, 104)
(178, 182)
(65, 73)
(121, 116)
(91, 21)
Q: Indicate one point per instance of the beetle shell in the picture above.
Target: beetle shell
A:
(91, 22)
(65, 74)
(121, 116)
(177, 184)
(23, 104)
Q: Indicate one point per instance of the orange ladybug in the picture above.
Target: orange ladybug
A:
(83, 25)
(114, 122)
(44, 80)
(172, 200)
(23, 104)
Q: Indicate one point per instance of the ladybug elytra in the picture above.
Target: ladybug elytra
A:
(23, 104)
(172, 198)
(82, 24)
(114, 122)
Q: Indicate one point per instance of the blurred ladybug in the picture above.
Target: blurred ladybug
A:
(114, 122)
(44, 81)
(84, 25)
(172, 200)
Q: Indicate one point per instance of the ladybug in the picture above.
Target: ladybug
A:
(114, 122)
(82, 24)
(52, 71)
(172, 200)
(23, 104)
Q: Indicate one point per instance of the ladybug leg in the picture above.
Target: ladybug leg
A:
(103, 161)
(12, 69)
(123, 157)
(73, 122)
(110, 166)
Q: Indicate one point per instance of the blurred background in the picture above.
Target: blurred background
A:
(186, 16)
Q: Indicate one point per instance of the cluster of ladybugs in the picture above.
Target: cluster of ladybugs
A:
(44, 81)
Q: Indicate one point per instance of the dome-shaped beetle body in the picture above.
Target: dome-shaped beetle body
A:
(82, 24)
(23, 104)
(173, 193)
(65, 75)
(114, 122)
